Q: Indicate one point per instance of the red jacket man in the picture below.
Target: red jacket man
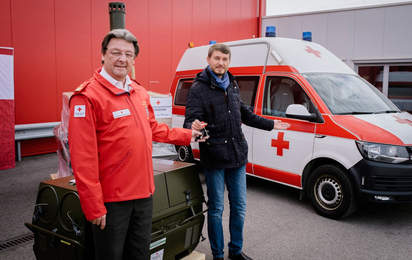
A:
(123, 126)
(111, 129)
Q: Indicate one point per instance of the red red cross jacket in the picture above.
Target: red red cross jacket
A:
(110, 139)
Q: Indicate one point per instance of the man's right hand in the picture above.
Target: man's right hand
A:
(196, 125)
(100, 221)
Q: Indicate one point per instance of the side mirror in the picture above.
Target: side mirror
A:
(298, 111)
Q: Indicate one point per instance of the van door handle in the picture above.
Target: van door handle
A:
(320, 136)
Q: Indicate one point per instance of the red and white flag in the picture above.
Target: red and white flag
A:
(7, 149)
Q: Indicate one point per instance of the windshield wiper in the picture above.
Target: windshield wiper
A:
(363, 112)
(387, 111)
(354, 113)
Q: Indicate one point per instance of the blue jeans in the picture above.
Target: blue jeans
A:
(236, 185)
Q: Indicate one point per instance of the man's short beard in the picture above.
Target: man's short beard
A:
(219, 74)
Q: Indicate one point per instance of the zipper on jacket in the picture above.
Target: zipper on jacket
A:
(120, 163)
(134, 112)
(137, 119)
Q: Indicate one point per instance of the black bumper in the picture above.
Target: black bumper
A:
(383, 182)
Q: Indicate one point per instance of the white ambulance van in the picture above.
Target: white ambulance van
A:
(347, 142)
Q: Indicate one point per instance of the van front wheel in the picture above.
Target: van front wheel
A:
(331, 192)
(184, 153)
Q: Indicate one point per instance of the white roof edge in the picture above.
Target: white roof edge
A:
(343, 9)
(304, 56)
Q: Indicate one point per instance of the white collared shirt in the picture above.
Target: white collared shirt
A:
(115, 82)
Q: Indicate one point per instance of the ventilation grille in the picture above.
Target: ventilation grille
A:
(16, 241)
(393, 183)
(196, 234)
(188, 237)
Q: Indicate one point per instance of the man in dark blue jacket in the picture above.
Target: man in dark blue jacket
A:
(214, 99)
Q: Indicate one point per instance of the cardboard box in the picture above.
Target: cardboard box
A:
(195, 256)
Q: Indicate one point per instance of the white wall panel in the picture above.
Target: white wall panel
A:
(378, 33)
(290, 27)
(398, 32)
(341, 26)
(369, 27)
(318, 25)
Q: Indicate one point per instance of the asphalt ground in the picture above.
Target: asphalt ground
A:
(278, 224)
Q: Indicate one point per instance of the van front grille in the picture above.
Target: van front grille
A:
(393, 183)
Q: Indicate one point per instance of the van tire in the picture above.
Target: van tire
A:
(184, 153)
(331, 192)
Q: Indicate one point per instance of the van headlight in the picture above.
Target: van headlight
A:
(383, 152)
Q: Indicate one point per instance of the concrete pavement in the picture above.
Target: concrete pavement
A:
(278, 225)
(18, 192)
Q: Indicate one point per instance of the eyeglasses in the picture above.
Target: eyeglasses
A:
(116, 53)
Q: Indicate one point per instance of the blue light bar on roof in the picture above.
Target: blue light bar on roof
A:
(307, 36)
(270, 31)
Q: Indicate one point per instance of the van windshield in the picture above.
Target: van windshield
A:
(349, 94)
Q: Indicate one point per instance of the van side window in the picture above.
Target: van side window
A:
(181, 91)
(280, 92)
(247, 89)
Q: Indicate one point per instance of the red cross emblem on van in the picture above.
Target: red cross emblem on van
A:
(315, 52)
(403, 121)
(280, 144)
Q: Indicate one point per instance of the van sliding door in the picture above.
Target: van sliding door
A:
(281, 155)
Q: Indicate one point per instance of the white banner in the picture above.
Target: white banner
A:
(162, 106)
(6, 73)
(7, 157)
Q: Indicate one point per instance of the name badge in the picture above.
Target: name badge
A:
(121, 113)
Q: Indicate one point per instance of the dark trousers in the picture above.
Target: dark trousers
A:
(127, 232)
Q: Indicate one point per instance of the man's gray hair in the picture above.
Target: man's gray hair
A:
(223, 48)
(120, 34)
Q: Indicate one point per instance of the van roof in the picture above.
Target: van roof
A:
(304, 56)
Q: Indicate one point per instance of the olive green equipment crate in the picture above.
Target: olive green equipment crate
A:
(61, 230)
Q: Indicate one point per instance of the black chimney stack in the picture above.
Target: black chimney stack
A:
(117, 11)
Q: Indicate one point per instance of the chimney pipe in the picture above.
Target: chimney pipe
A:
(117, 11)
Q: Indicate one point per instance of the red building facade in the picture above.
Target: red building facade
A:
(57, 45)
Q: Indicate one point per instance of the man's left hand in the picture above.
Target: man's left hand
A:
(279, 125)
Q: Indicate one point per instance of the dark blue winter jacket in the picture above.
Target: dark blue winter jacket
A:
(224, 114)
